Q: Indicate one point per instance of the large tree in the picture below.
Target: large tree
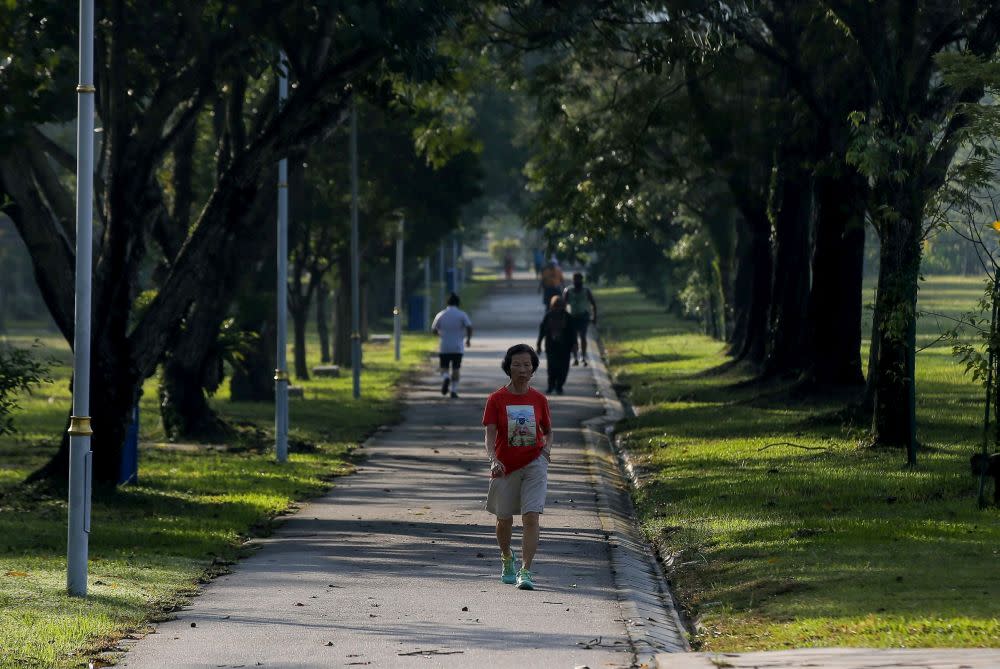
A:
(156, 70)
(905, 146)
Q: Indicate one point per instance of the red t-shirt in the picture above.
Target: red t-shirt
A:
(521, 422)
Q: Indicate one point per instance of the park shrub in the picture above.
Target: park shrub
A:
(20, 371)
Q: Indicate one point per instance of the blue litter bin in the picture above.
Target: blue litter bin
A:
(415, 313)
(449, 279)
(128, 471)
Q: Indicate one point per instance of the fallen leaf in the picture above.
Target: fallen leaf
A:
(19, 574)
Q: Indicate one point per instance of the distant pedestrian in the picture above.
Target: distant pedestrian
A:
(519, 445)
(583, 311)
(539, 260)
(551, 283)
(556, 330)
(508, 266)
(454, 328)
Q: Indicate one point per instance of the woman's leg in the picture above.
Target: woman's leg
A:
(529, 538)
(505, 528)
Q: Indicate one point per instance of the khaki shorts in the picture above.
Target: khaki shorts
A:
(522, 491)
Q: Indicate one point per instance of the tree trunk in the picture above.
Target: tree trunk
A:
(184, 407)
(193, 364)
(253, 381)
(752, 291)
(322, 327)
(342, 324)
(791, 209)
(115, 390)
(835, 303)
(894, 331)
(300, 319)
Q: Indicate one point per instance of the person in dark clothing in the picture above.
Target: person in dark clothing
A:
(560, 341)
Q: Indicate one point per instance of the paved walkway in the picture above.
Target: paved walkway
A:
(398, 566)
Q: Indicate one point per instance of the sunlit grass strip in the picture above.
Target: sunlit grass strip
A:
(820, 543)
(191, 509)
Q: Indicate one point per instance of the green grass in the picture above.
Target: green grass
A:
(778, 546)
(187, 518)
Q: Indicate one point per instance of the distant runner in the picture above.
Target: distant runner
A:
(539, 260)
(551, 283)
(454, 328)
(583, 310)
(519, 445)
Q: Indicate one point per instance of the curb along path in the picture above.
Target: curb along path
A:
(397, 566)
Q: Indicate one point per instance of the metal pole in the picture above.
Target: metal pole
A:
(427, 294)
(281, 369)
(441, 274)
(355, 280)
(397, 313)
(80, 456)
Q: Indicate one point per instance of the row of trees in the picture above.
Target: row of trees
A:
(189, 134)
(749, 144)
(746, 145)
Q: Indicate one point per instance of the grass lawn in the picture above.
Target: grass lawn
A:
(823, 544)
(187, 518)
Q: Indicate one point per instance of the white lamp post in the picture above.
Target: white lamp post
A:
(355, 270)
(397, 312)
(80, 455)
(281, 365)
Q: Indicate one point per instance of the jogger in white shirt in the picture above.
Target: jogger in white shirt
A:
(454, 328)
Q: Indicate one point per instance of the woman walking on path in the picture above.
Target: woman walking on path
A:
(518, 444)
(557, 331)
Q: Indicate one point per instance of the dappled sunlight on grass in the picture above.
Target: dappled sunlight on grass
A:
(190, 511)
(787, 533)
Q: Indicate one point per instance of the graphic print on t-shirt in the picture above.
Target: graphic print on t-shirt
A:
(520, 425)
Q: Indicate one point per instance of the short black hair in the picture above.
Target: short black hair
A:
(514, 350)
(453, 300)
(578, 275)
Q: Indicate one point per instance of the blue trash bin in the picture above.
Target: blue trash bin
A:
(128, 470)
(415, 313)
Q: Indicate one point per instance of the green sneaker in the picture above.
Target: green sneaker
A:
(524, 581)
(509, 573)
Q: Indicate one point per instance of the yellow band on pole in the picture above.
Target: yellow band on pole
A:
(85, 88)
(79, 426)
(280, 375)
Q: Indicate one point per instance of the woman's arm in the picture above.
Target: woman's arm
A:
(547, 445)
(490, 443)
(541, 333)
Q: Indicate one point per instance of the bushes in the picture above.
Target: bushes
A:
(20, 371)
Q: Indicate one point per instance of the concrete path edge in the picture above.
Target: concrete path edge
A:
(648, 607)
